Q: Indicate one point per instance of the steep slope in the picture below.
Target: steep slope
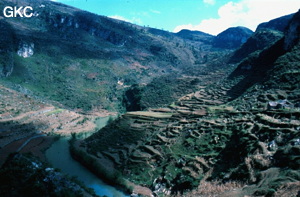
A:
(278, 24)
(260, 40)
(240, 130)
(274, 65)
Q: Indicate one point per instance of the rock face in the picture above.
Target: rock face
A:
(26, 49)
(89, 22)
(232, 38)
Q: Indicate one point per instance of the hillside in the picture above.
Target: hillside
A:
(86, 62)
(238, 136)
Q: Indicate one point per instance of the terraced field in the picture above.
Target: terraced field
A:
(199, 136)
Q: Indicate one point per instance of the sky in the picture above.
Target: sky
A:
(209, 16)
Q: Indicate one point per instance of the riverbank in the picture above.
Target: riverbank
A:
(58, 155)
(105, 170)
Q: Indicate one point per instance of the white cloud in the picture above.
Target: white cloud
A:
(119, 18)
(248, 13)
(210, 2)
(134, 20)
(155, 11)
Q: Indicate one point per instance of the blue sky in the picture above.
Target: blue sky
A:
(210, 16)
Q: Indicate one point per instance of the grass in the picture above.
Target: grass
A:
(220, 109)
(151, 114)
(56, 111)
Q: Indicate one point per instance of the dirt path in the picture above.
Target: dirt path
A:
(27, 141)
(28, 114)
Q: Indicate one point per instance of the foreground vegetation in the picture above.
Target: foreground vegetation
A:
(25, 175)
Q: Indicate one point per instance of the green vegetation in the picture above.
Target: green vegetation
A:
(56, 111)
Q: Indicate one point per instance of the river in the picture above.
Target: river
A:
(59, 156)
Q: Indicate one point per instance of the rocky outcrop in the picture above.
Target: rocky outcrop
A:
(88, 22)
(26, 49)
(232, 38)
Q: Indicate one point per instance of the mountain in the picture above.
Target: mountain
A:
(278, 24)
(232, 37)
(237, 136)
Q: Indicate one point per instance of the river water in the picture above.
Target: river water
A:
(59, 156)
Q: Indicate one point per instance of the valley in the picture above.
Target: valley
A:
(149, 112)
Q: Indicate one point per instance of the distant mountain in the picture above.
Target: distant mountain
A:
(196, 36)
(232, 38)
